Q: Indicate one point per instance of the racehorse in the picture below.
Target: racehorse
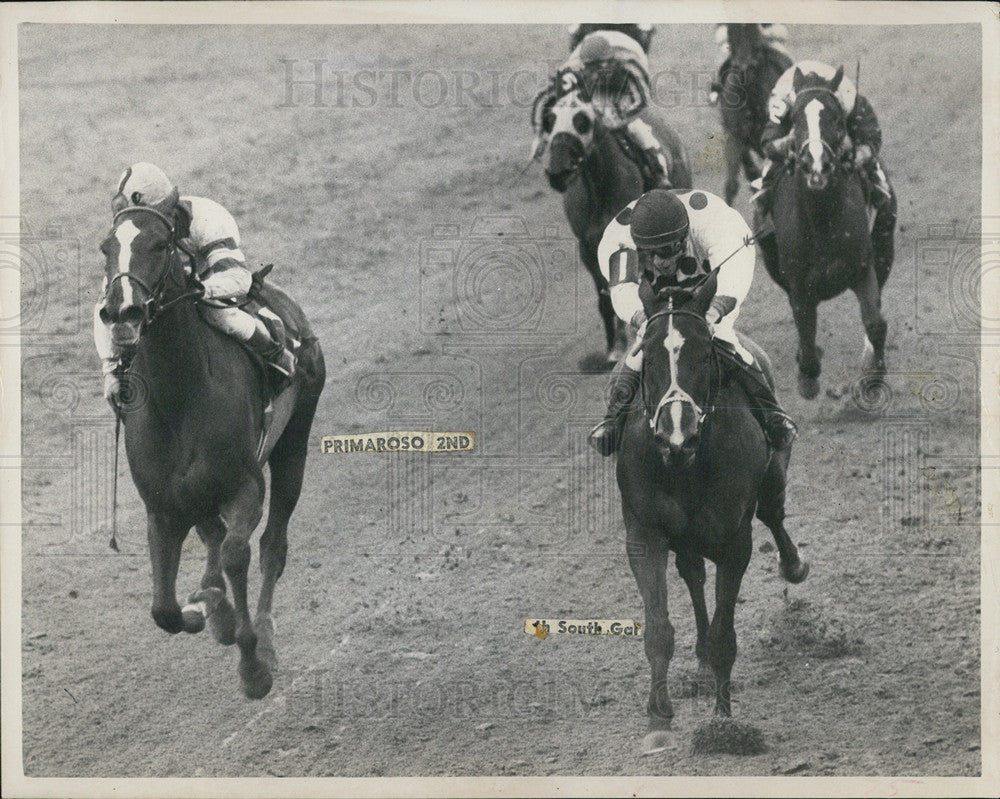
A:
(588, 163)
(692, 469)
(754, 68)
(194, 421)
(822, 243)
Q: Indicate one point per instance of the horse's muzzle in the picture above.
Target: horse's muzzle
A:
(817, 181)
(565, 155)
(126, 334)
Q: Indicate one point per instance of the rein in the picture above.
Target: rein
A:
(674, 392)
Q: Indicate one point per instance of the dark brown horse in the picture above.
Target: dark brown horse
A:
(822, 244)
(753, 70)
(589, 165)
(692, 470)
(193, 420)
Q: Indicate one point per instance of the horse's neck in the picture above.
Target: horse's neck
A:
(175, 354)
(613, 181)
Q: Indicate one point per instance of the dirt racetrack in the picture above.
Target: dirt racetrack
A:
(410, 576)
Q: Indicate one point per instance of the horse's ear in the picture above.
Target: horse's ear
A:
(838, 76)
(797, 79)
(703, 295)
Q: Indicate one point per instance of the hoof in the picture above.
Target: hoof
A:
(264, 627)
(794, 573)
(194, 619)
(256, 678)
(658, 741)
(222, 623)
(808, 387)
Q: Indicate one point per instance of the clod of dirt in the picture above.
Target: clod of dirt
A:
(801, 627)
(729, 737)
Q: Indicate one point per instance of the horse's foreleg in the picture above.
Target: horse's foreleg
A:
(588, 255)
(870, 300)
(240, 517)
(722, 631)
(734, 159)
(166, 536)
(804, 311)
(648, 558)
(771, 511)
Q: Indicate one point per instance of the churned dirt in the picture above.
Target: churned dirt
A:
(400, 615)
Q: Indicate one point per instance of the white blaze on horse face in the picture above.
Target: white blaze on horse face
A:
(126, 234)
(673, 343)
(813, 110)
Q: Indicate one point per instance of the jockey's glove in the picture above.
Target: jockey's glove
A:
(112, 390)
(862, 155)
(780, 148)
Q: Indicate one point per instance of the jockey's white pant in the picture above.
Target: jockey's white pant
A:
(724, 330)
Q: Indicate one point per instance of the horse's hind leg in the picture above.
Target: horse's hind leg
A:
(211, 600)
(722, 631)
(691, 568)
(870, 300)
(287, 462)
(240, 517)
(647, 555)
(771, 511)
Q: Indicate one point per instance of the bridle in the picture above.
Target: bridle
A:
(827, 147)
(674, 392)
(154, 305)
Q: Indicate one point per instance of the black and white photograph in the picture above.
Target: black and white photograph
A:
(529, 399)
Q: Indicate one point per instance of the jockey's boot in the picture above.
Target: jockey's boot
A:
(883, 200)
(275, 354)
(779, 430)
(606, 436)
(715, 90)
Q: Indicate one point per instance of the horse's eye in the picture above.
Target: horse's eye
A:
(548, 121)
(581, 122)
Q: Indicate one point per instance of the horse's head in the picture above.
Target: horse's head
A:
(677, 372)
(569, 123)
(140, 255)
(745, 43)
(818, 126)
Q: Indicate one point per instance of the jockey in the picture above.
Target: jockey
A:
(612, 69)
(774, 35)
(669, 239)
(208, 235)
(642, 32)
(863, 131)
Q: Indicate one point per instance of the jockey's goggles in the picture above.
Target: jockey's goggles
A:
(665, 251)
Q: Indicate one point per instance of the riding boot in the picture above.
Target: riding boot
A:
(274, 353)
(715, 90)
(606, 436)
(655, 161)
(779, 429)
(883, 201)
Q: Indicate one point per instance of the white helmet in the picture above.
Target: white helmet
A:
(142, 184)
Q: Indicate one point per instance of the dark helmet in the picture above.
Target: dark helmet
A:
(659, 219)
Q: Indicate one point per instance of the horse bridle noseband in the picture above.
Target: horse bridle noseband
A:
(674, 392)
(152, 307)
